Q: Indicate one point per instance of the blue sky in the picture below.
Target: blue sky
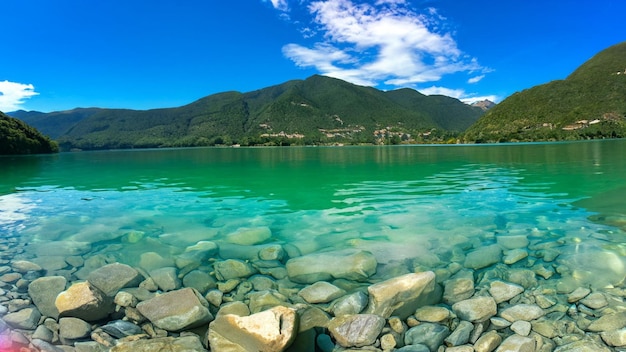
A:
(140, 54)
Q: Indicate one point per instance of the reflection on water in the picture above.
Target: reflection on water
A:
(429, 205)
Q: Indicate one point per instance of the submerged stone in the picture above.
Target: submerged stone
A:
(428, 334)
(483, 257)
(249, 236)
(356, 330)
(176, 310)
(477, 309)
(44, 291)
(85, 301)
(321, 292)
(401, 296)
(112, 277)
(344, 264)
(169, 344)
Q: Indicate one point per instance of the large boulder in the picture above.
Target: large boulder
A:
(44, 291)
(233, 269)
(351, 264)
(477, 309)
(112, 277)
(402, 295)
(85, 301)
(272, 330)
(176, 310)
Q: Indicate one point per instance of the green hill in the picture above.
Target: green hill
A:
(56, 123)
(589, 103)
(16, 137)
(318, 110)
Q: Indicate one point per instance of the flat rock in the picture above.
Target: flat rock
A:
(521, 327)
(578, 294)
(477, 309)
(487, 342)
(73, 328)
(460, 335)
(169, 344)
(85, 301)
(44, 291)
(356, 330)
(121, 328)
(248, 236)
(608, 322)
(112, 277)
(199, 280)
(615, 338)
(197, 254)
(59, 248)
(458, 289)
(513, 242)
(402, 295)
(595, 300)
(503, 291)
(432, 314)
(233, 269)
(515, 255)
(166, 278)
(351, 264)
(152, 260)
(176, 310)
(27, 318)
(24, 266)
(483, 257)
(428, 334)
(353, 303)
(321, 292)
(525, 312)
(516, 343)
(272, 330)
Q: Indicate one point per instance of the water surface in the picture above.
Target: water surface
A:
(400, 203)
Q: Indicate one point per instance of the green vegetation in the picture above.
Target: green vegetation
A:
(16, 137)
(318, 110)
(590, 103)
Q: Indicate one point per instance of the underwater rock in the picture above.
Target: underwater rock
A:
(356, 330)
(121, 328)
(402, 295)
(85, 301)
(483, 257)
(272, 330)
(477, 309)
(502, 291)
(170, 344)
(199, 280)
(517, 343)
(27, 318)
(176, 310)
(44, 291)
(166, 278)
(459, 287)
(526, 312)
(321, 292)
(112, 277)
(428, 334)
(343, 264)
(353, 303)
(73, 328)
(249, 236)
(233, 269)
(433, 314)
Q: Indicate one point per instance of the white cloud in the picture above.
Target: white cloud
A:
(475, 79)
(382, 43)
(12, 95)
(458, 94)
(280, 5)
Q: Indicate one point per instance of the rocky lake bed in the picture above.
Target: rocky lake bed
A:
(507, 291)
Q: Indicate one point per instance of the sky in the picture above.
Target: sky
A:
(143, 54)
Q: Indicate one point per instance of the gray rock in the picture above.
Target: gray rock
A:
(321, 292)
(545, 328)
(324, 343)
(59, 248)
(45, 346)
(526, 312)
(521, 327)
(516, 343)
(152, 260)
(262, 282)
(43, 333)
(402, 295)
(272, 252)
(27, 318)
(483, 257)
(524, 277)
(513, 242)
(89, 346)
(43, 291)
(121, 328)
(356, 330)
(414, 348)
(199, 280)
(272, 330)
(233, 269)
(458, 289)
(312, 318)
(73, 328)
(615, 338)
(608, 322)
(166, 278)
(85, 301)
(236, 308)
(428, 334)
(502, 291)
(197, 254)
(170, 344)
(249, 236)
(176, 310)
(125, 299)
(460, 335)
(578, 294)
(585, 345)
(112, 277)
(476, 309)
(24, 266)
(348, 264)
(515, 255)
(595, 300)
(353, 303)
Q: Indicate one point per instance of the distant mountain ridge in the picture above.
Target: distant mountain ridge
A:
(16, 137)
(589, 103)
(317, 110)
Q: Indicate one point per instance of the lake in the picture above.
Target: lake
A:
(413, 207)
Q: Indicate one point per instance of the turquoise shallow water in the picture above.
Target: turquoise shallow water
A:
(403, 202)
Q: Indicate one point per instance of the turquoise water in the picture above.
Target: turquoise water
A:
(428, 204)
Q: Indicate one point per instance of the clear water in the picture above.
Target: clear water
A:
(403, 202)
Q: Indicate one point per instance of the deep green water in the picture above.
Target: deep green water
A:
(398, 202)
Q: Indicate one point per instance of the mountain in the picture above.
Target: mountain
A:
(589, 103)
(53, 124)
(317, 110)
(484, 104)
(16, 137)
